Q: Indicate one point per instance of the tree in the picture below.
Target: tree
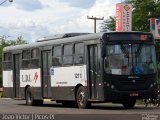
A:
(143, 10)
(109, 24)
(3, 43)
(18, 41)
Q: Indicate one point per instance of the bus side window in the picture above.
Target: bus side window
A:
(7, 56)
(79, 53)
(35, 53)
(57, 55)
(35, 58)
(68, 54)
(7, 64)
(26, 56)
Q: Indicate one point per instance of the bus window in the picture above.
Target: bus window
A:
(68, 54)
(26, 54)
(79, 53)
(130, 59)
(35, 53)
(57, 55)
(7, 64)
(79, 48)
(35, 58)
(57, 50)
(7, 56)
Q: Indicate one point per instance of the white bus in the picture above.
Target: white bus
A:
(79, 69)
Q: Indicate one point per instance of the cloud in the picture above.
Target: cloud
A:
(82, 3)
(28, 5)
(51, 17)
(100, 9)
(5, 3)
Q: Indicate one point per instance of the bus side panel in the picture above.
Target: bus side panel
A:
(31, 78)
(8, 83)
(65, 79)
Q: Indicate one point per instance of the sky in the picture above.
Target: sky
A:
(34, 19)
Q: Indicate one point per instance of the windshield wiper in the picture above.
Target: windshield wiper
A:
(137, 53)
(126, 53)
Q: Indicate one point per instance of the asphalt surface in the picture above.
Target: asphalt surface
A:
(17, 110)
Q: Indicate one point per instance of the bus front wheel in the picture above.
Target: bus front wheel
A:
(81, 98)
(129, 104)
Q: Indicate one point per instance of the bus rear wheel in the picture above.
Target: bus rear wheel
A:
(129, 104)
(81, 98)
(30, 100)
(29, 97)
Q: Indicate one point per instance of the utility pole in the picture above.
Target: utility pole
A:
(95, 19)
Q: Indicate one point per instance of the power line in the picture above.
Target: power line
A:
(95, 19)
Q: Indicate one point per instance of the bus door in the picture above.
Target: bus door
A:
(16, 75)
(93, 59)
(46, 82)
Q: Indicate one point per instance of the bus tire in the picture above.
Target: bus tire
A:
(29, 97)
(129, 104)
(81, 98)
(30, 100)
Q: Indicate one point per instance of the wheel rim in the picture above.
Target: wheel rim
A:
(29, 99)
(81, 98)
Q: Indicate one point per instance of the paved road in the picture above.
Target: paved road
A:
(12, 108)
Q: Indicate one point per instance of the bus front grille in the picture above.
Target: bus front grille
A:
(132, 82)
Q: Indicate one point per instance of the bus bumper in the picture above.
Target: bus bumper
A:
(124, 95)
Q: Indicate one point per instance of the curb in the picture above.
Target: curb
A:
(5, 98)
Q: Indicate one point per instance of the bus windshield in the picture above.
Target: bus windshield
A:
(130, 59)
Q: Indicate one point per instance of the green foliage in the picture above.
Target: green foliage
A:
(0, 79)
(18, 41)
(142, 11)
(3, 43)
(158, 60)
(109, 24)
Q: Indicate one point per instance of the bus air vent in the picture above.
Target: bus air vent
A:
(60, 36)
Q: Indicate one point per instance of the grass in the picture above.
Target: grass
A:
(140, 102)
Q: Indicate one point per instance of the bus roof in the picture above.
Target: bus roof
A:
(60, 36)
(54, 42)
(46, 42)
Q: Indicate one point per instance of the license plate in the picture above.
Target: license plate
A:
(133, 94)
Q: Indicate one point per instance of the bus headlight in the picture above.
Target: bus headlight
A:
(108, 85)
(112, 86)
(151, 85)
